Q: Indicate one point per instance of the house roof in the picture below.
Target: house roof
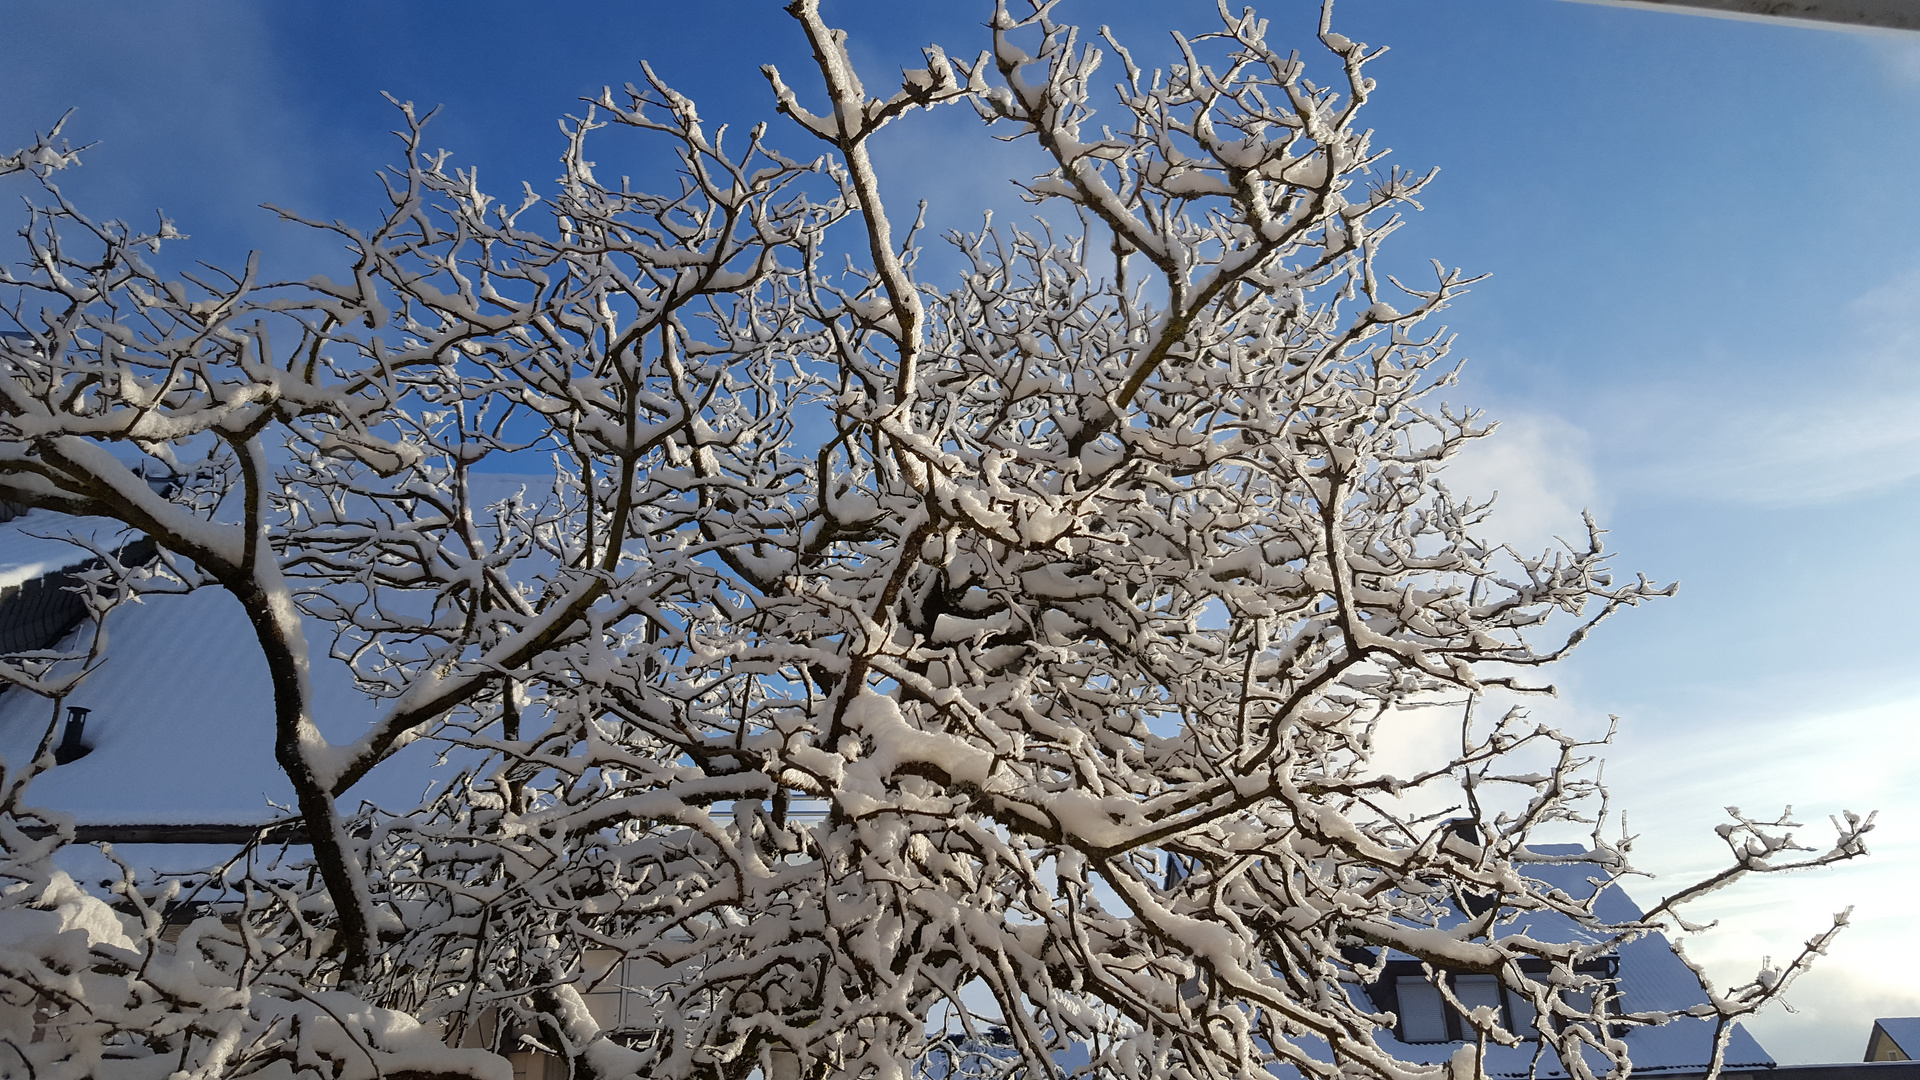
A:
(1904, 1031)
(181, 720)
(182, 730)
(181, 712)
(34, 545)
(1651, 978)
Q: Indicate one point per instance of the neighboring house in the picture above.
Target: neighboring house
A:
(178, 728)
(1894, 1039)
(1647, 974)
(178, 771)
(36, 607)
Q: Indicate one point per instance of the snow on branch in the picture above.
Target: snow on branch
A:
(843, 671)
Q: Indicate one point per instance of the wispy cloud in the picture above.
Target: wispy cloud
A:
(1836, 1003)
(1671, 776)
(1672, 781)
(1822, 428)
(190, 111)
(1899, 56)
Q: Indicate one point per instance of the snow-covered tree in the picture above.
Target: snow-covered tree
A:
(884, 659)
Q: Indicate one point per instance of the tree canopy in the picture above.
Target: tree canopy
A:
(880, 664)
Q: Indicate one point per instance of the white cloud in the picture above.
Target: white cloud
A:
(1890, 307)
(1413, 739)
(1835, 1006)
(1540, 467)
(1671, 776)
(1864, 974)
(1851, 441)
(1672, 783)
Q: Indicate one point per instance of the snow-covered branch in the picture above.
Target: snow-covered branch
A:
(830, 656)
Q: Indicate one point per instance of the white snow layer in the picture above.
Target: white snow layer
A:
(182, 724)
(34, 545)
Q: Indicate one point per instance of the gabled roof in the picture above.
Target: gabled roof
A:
(181, 722)
(1651, 977)
(1902, 1031)
(182, 732)
(33, 544)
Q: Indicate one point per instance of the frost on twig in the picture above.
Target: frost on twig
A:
(866, 654)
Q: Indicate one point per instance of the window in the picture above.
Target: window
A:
(1426, 1016)
(1423, 1013)
(1526, 1019)
(1524, 1016)
(610, 990)
(1475, 991)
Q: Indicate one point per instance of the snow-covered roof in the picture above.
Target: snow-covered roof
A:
(34, 545)
(182, 731)
(182, 723)
(1651, 978)
(182, 709)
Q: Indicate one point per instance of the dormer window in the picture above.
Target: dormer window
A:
(1423, 1012)
(1475, 991)
(36, 613)
(1426, 1016)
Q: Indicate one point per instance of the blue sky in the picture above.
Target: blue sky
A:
(1705, 252)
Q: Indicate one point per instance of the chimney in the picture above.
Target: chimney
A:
(71, 748)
